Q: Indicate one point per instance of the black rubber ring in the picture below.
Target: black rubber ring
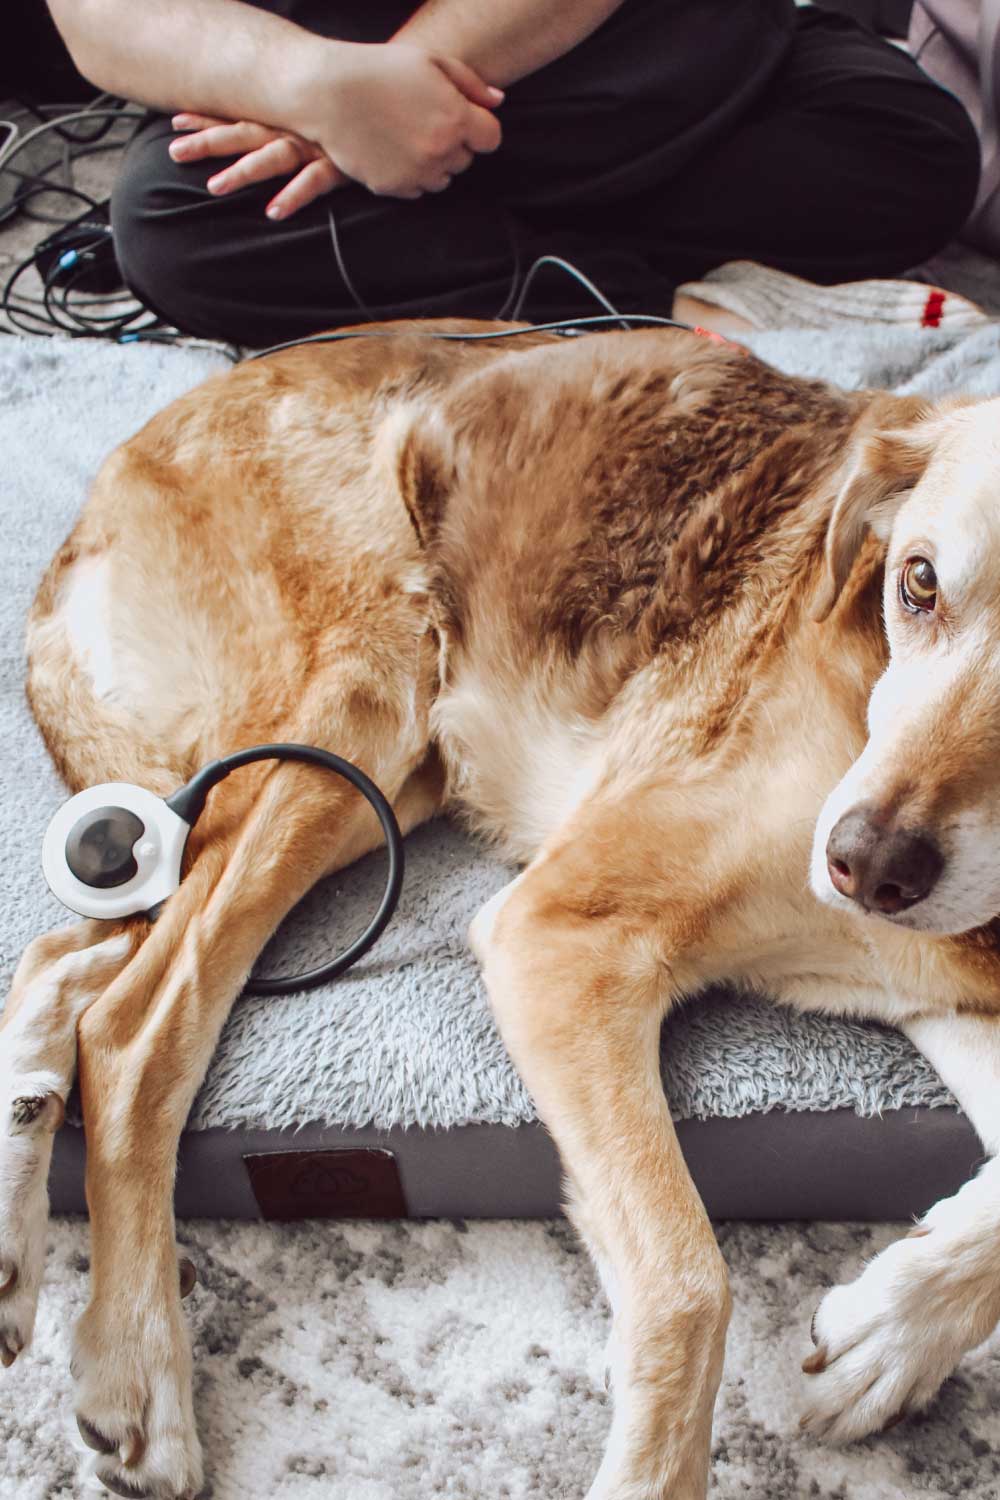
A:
(189, 801)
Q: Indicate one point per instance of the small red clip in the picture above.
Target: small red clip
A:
(719, 338)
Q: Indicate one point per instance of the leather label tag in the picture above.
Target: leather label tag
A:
(357, 1183)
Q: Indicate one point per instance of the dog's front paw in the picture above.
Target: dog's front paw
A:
(134, 1407)
(886, 1342)
(27, 1121)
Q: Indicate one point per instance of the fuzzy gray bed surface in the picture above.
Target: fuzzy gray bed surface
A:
(406, 1038)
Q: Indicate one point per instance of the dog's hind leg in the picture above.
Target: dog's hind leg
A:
(576, 964)
(887, 1341)
(269, 833)
(59, 975)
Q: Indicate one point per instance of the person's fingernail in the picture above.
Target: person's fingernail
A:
(215, 185)
(497, 95)
(177, 149)
(274, 211)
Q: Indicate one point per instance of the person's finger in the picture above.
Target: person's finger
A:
(469, 83)
(482, 131)
(457, 161)
(220, 140)
(315, 179)
(437, 183)
(188, 121)
(276, 159)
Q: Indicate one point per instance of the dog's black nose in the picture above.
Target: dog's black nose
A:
(882, 868)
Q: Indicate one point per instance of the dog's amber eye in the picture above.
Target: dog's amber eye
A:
(918, 585)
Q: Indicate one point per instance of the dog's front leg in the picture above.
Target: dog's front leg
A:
(60, 974)
(579, 999)
(887, 1341)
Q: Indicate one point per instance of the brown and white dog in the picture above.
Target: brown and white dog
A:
(713, 651)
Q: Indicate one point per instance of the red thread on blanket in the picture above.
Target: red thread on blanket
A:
(932, 310)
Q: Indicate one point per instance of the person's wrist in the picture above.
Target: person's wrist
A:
(316, 80)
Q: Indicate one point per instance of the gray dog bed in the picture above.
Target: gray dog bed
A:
(781, 1115)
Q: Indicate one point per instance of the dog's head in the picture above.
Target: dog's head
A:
(911, 834)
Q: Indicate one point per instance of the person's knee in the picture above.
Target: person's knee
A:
(923, 165)
(945, 170)
(151, 232)
(199, 262)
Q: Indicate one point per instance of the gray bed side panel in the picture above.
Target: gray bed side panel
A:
(834, 1165)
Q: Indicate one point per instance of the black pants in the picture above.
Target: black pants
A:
(833, 157)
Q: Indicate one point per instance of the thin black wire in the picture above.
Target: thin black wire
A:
(515, 276)
(561, 325)
(501, 312)
(571, 270)
(188, 801)
(40, 184)
(75, 137)
(13, 312)
(57, 295)
(342, 267)
(39, 188)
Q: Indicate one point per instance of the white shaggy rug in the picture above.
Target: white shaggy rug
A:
(405, 1361)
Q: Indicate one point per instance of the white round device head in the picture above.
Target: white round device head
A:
(114, 850)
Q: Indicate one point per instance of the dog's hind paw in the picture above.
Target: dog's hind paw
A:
(134, 1406)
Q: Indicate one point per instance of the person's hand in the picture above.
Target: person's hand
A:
(264, 152)
(398, 119)
(392, 117)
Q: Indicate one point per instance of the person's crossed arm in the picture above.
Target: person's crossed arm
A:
(401, 117)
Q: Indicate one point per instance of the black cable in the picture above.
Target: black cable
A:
(189, 802)
(57, 294)
(38, 183)
(515, 247)
(112, 104)
(32, 185)
(13, 312)
(577, 275)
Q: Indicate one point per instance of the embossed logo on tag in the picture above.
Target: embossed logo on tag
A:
(357, 1183)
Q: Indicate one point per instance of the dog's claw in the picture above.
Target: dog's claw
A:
(818, 1429)
(122, 1487)
(812, 1330)
(11, 1344)
(8, 1277)
(918, 1231)
(93, 1437)
(188, 1273)
(814, 1363)
(132, 1449)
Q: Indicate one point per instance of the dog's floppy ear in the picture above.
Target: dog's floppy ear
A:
(889, 454)
(425, 471)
